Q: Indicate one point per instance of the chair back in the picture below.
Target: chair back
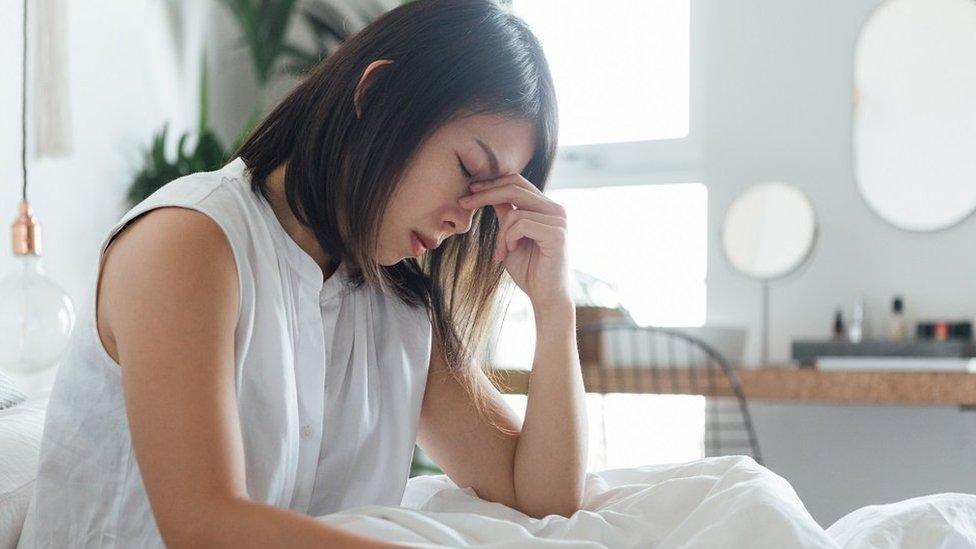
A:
(619, 356)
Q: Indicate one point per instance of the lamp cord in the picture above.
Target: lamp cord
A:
(23, 110)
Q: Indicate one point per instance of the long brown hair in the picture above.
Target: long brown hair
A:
(451, 58)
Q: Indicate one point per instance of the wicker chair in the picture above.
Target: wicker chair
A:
(619, 356)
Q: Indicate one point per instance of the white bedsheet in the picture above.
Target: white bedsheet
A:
(724, 502)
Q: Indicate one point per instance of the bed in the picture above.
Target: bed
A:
(724, 502)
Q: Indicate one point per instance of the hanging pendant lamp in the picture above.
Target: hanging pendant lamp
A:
(36, 315)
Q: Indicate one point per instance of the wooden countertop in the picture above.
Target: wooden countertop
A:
(789, 384)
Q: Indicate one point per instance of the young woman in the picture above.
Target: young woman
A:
(265, 343)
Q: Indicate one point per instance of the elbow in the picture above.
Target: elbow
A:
(563, 510)
(179, 534)
(195, 525)
(564, 505)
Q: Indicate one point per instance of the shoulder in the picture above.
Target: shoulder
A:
(170, 255)
(170, 232)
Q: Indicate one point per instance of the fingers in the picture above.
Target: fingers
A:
(514, 190)
(510, 218)
(522, 211)
(550, 238)
(514, 178)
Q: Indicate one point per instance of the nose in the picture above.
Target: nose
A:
(459, 219)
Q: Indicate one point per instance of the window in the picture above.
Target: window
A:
(627, 173)
(649, 244)
(628, 430)
(620, 67)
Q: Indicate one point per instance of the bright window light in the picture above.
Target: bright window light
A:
(620, 67)
(628, 430)
(649, 243)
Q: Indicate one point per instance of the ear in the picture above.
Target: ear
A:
(369, 76)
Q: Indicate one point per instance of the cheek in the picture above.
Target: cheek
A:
(424, 198)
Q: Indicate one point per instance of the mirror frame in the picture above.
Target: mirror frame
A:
(855, 100)
(804, 258)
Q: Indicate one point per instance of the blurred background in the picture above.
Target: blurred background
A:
(781, 188)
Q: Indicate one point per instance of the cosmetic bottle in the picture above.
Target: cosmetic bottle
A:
(897, 326)
(855, 332)
(839, 334)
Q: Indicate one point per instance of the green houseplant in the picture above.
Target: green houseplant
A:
(158, 169)
(263, 25)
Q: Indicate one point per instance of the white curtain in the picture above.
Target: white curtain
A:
(52, 117)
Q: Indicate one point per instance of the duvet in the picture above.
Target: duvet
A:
(727, 502)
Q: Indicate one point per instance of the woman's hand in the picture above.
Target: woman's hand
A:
(531, 238)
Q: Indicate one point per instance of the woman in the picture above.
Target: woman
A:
(267, 342)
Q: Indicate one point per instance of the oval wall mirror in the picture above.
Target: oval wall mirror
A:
(914, 119)
(769, 230)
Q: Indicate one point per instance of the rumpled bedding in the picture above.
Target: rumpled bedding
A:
(726, 502)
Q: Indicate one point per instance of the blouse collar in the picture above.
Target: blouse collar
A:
(300, 260)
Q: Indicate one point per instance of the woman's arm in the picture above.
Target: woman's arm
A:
(550, 458)
(542, 469)
(167, 311)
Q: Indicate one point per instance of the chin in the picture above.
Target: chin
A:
(389, 261)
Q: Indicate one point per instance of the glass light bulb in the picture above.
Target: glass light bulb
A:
(36, 317)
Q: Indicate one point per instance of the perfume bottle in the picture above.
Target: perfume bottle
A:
(839, 332)
(855, 332)
(897, 326)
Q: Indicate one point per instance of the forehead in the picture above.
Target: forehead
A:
(512, 139)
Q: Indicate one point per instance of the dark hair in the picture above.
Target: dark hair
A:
(450, 58)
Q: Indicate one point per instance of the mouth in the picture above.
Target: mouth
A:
(420, 243)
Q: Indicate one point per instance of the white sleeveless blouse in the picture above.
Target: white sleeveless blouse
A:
(329, 383)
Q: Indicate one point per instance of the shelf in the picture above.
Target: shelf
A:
(788, 384)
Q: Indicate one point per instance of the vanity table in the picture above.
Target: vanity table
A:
(799, 385)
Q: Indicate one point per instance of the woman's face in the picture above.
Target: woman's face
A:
(425, 201)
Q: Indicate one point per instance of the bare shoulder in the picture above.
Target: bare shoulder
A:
(165, 257)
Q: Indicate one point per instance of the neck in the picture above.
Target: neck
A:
(302, 235)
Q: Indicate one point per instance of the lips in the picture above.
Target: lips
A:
(421, 243)
(428, 242)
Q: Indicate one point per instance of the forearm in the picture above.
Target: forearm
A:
(240, 523)
(550, 457)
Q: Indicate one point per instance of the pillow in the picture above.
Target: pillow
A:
(21, 427)
(10, 394)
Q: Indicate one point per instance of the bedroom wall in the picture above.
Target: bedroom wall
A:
(775, 104)
(771, 99)
(133, 66)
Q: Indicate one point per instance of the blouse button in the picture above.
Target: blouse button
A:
(306, 431)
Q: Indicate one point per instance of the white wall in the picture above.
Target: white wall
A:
(133, 66)
(116, 104)
(777, 105)
(771, 100)
(840, 458)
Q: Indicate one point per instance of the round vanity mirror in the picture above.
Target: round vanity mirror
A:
(914, 120)
(769, 230)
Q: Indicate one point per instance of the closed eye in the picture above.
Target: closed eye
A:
(464, 170)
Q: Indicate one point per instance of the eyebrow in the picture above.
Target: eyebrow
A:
(492, 159)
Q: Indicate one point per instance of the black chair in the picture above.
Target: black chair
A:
(619, 356)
